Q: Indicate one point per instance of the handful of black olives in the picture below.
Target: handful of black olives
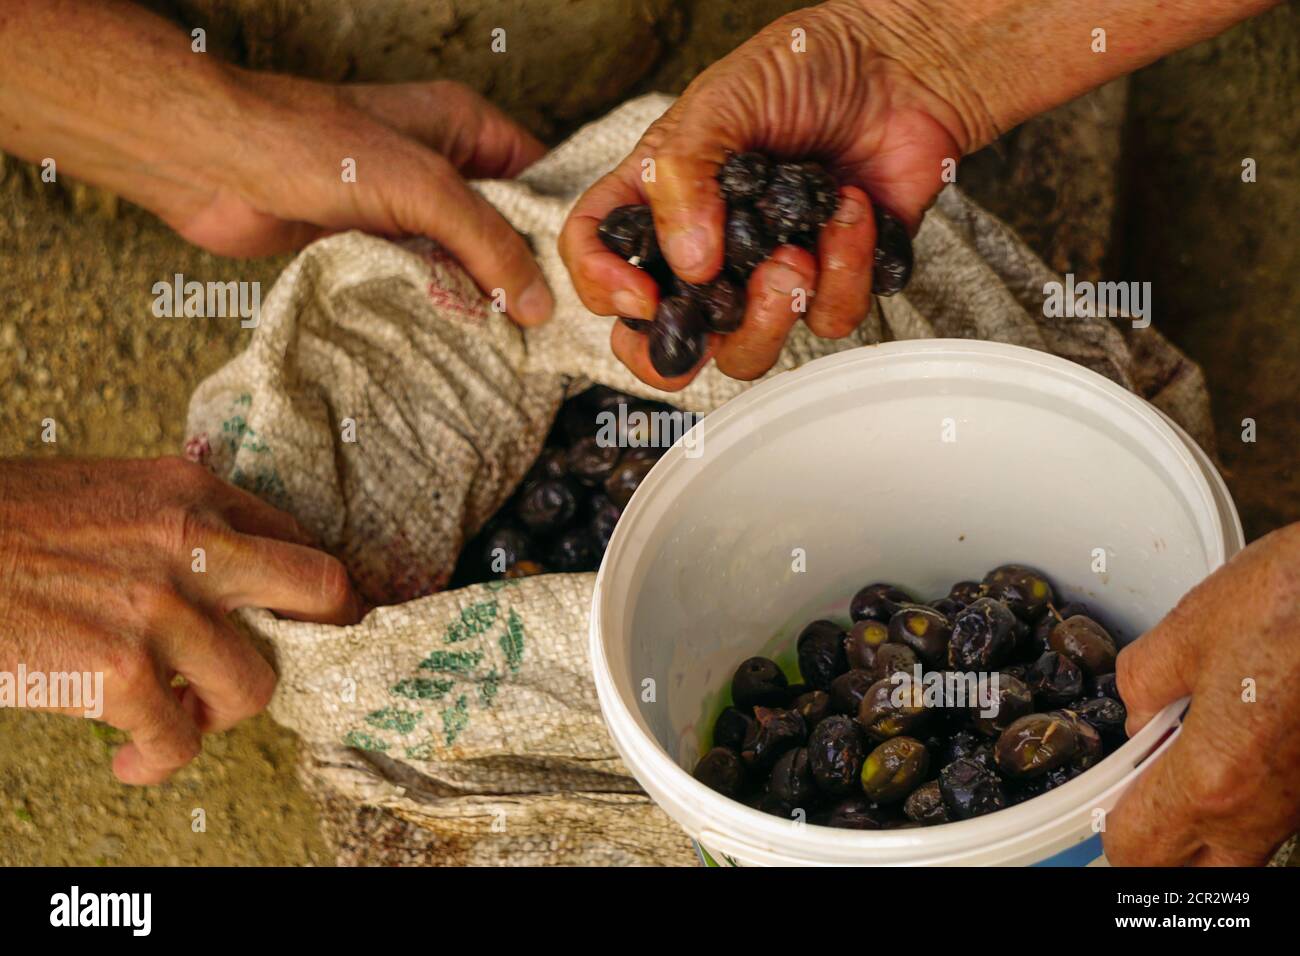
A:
(858, 742)
(769, 204)
(564, 512)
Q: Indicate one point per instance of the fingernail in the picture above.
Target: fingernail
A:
(536, 304)
(849, 211)
(781, 278)
(630, 305)
(688, 247)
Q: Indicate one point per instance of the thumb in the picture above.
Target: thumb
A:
(1160, 666)
(690, 215)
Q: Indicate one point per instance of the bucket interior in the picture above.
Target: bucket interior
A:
(923, 470)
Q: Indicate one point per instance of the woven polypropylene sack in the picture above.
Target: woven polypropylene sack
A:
(392, 411)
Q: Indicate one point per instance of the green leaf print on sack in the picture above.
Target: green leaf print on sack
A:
(422, 688)
(474, 620)
(455, 719)
(360, 740)
(512, 642)
(457, 662)
(402, 721)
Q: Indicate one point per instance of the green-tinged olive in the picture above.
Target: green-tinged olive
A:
(1088, 749)
(1035, 744)
(1054, 616)
(773, 733)
(836, 750)
(970, 789)
(892, 708)
(1026, 591)
(1106, 715)
(878, 602)
(792, 779)
(759, 681)
(720, 770)
(925, 805)
(858, 813)
(864, 639)
(1085, 642)
(924, 630)
(813, 706)
(821, 653)
(983, 636)
(848, 689)
(1014, 700)
(895, 659)
(730, 728)
(894, 769)
(1055, 680)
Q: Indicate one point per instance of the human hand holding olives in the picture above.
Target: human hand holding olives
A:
(98, 564)
(887, 94)
(252, 164)
(1227, 791)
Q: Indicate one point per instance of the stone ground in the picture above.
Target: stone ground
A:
(1139, 181)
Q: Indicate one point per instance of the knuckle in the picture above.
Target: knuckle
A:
(182, 474)
(131, 667)
(153, 602)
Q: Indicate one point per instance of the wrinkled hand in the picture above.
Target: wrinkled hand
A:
(1227, 791)
(411, 143)
(97, 574)
(868, 117)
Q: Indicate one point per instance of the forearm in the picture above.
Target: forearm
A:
(115, 96)
(999, 62)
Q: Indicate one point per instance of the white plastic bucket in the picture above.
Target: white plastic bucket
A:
(920, 463)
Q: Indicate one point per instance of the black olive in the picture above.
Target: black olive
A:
(678, 337)
(970, 789)
(630, 232)
(758, 681)
(858, 813)
(925, 805)
(948, 608)
(720, 769)
(836, 750)
(1025, 591)
(1085, 642)
(626, 478)
(1088, 746)
(1035, 744)
(895, 659)
(730, 728)
(1105, 714)
(604, 518)
(574, 550)
(1103, 686)
(1054, 679)
(893, 258)
(590, 462)
(553, 462)
(966, 592)
(847, 691)
(1054, 616)
(721, 302)
(983, 636)
(813, 706)
(821, 654)
(504, 548)
(924, 630)
(800, 198)
(1014, 701)
(746, 245)
(547, 506)
(792, 779)
(744, 176)
(773, 732)
(894, 769)
(965, 745)
(643, 326)
(878, 602)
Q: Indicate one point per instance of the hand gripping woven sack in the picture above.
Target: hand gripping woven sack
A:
(386, 405)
